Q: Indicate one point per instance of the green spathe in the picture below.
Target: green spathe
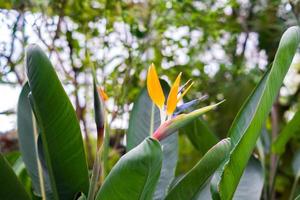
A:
(180, 121)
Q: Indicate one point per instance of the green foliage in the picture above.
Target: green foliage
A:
(54, 141)
(135, 175)
(144, 119)
(248, 123)
(192, 183)
(200, 135)
(11, 187)
(286, 134)
(252, 181)
(27, 141)
(59, 127)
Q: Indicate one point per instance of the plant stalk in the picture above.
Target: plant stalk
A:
(96, 173)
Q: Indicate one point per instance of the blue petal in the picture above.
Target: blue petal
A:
(187, 105)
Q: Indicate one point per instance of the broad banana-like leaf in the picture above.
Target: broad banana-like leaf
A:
(11, 187)
(190, 185)
(144, 120)
(285, 135)
(16, 162)
(59, 127)
(28, 142)
(247, 125)
(253, 176)
(135, 175)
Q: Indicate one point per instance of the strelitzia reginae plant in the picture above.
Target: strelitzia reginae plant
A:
(53, 152)
(174, 120)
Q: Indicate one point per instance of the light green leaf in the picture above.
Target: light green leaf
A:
(190, 185)
(247, 125)
(296, 164)
(28, 142)
(60, 131)
(250, 186)
(12, 157)
(144, 120)
(286, 134)
(11, 187)
(135, 175)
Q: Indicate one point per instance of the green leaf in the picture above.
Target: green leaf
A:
(296, 172)
(188, 187)
(59, 127)
(16, 162)
(135, 175)
(22, 174)
(252, 182)
(11, 187)
(144, 120)
(28, 142)
(200, 135)
(286, 134)
(296, 164)
(12, 157)
(250, 186)
(247, 125)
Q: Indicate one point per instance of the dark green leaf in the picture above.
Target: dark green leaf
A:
(190, 185)
(60, 131)
(135, 175)
(285, 135)
(11, 188)
(12, 157)
(200, 135)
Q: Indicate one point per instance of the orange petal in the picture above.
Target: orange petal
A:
(185, 91)
(172, 98)
(154, 88)
(102, 94)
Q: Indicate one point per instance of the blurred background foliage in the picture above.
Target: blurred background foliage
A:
(224, 46)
